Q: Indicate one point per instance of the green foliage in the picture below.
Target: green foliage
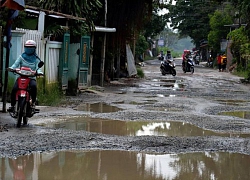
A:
(155, 25)
(18, 21)
(30, 23)
(140, 73)
(162, 48)
(55, 30)
(141, 45)
(240, 46)
(243, 72)
(218, 31)
(191, 18)
(183, 43)
(51, 95)
(176, 54)
(78, 8)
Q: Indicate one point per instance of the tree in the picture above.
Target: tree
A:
(78, 8)
(191, 18)
(219, 31)
(240, 46)
(243, 12)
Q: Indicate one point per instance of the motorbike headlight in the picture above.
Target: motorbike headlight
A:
(24, 72)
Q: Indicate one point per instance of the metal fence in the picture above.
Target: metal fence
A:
(37, 37)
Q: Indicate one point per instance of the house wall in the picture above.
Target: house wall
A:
(52, 61)
(15, 50)
(48, 51)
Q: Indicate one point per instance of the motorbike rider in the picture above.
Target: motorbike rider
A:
(168, 55)
(161, 56)
(185, 57)
(29, 59)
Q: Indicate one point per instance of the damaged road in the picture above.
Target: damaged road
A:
(195, 99)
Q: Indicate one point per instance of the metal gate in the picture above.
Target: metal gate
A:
(64, 59)
(83, 62)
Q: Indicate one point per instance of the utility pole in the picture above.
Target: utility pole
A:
(1, 60)
(12, 14)
(104, 47)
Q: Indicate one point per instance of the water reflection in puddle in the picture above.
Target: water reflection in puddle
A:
(161, 95)
(232, 102)
(240, 114)
(140, 128)
(97, 107)
(121, 165)
(156, 84)
(163, 109)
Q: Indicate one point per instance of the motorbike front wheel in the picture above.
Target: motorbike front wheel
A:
(163, 72)
(173, 72)
(20, 111)
(184, 69)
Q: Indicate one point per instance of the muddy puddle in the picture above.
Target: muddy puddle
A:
(97, 107)
(240, 114)
(138, 128)
(121, 165)
(231, 102)
(155, 84)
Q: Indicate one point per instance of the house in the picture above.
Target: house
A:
(64, 61)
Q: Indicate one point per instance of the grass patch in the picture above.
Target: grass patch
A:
(243, 74)
(52, 95)
(140, 73)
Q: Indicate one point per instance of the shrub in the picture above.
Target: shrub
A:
(140, 73)
(51, 95)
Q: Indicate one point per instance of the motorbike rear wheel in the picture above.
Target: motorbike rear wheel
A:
(192, 69)
(20, 111)
(173, 71)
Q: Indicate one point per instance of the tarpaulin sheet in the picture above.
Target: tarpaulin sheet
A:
(14, 4)
(131, 61)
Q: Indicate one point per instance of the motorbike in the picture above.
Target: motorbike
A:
(168, 67)
(190, 66)
(23, 109)
(197, 59)
(161, 56)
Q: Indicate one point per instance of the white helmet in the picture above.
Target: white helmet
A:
(30, 43)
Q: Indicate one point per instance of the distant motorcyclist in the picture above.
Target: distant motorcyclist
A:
(161, 56)
(185, 57)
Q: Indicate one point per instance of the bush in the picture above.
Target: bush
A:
(140, 73)
(49, 96)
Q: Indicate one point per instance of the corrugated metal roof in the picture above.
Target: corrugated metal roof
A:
(97, 28)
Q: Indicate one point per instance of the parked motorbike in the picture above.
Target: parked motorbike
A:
(168, 67)
(22, 109)
(190, 66)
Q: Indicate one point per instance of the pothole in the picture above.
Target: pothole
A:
(240, 114)
(97, 107)
(138, 128)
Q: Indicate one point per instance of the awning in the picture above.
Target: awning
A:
(97, 28)
(38, 12)
(104, 29)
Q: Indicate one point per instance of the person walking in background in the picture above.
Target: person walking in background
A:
(223, 62)
(219, 62)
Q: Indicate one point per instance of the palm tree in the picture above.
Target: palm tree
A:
(79, 8)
